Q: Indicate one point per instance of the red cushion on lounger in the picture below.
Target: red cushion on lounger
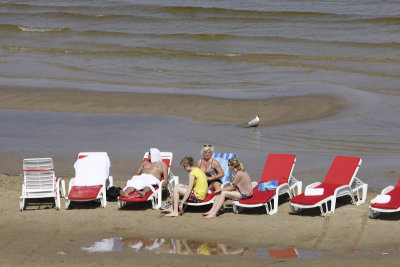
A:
(342, 170)
(208, 197)
(277, 167)
(259, 197)
(136, 197)
(329, 190)
(394, 202)
(84, 192)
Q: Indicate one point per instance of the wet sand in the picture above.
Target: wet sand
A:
(36, 235)
(273, 111)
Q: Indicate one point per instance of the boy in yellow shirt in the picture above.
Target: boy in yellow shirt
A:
(195, 191)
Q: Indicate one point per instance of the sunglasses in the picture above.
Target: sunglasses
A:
(207, 145)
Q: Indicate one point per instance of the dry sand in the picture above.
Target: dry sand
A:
(36, 236)
(273, 111)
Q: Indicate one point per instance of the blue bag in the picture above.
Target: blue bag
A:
(271, 185)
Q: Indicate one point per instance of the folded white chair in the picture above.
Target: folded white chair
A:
(40, 181)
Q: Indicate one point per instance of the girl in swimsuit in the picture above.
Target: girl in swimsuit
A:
(210, 167)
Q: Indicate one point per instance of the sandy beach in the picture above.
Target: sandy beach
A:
(274, 111)
(124, 76)
(41, 235)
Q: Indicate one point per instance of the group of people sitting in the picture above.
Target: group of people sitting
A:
(203, 176)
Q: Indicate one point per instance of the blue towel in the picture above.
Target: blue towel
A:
(222, 159)
(271, 185)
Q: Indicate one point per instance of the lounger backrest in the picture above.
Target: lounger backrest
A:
(82, 155)
(398, 182)
(165, 157)
(222, 159)
(278, 167)
(91, 168)
(39, 175)
(343, 170)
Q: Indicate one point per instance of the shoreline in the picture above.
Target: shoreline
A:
(273, 111)
(339, 236)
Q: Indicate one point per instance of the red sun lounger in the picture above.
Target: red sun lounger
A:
(277, 167)
(393, 205)
(91, 178)
(340, 180)
(155, 198)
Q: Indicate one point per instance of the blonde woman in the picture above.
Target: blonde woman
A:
(210, 167)
(241, 188)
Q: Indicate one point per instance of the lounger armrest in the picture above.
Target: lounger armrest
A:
(387, 189)
(174, 180)
(71, 184)
(23, 188)
(313, 185)
(343, 188)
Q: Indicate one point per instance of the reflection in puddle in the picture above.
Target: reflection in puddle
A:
(190, 247)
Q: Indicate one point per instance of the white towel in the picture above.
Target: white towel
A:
(92, 170)
(381, 199)
(140, 182)
(155, 155)
(314, 191)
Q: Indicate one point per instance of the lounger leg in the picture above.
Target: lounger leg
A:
(373, 214)
(235, 209)
(103, 198)
(119, 204)
(21, 203)
(360, 200)
(272, 205)
(62, 189)
(67, 203)
(293, 210)
(58, 201)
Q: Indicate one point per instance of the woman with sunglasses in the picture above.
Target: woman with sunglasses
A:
(210, 167)
(241, 188)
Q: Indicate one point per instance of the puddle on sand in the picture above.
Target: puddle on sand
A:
(191, 247)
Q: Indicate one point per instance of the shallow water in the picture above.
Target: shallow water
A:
(193, 247)
(127, 137)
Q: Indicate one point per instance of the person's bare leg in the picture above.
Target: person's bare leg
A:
(216, 185)
(224, 194)
(217, 197)
(217, 205)
(171, 209)
(177, 192)
(143, 192)
(176, 189)
(125, 193)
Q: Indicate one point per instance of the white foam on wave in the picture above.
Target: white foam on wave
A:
(34, 29)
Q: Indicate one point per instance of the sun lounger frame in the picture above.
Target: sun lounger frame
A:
(374, 212)
(293, 187)
(156, 199)
(102, 192)
(40, 181)
(355, 187)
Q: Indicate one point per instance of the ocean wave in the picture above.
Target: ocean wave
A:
(13, 27)
(163, 52)
(223, 36)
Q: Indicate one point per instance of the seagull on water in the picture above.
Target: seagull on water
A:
(254, 122)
